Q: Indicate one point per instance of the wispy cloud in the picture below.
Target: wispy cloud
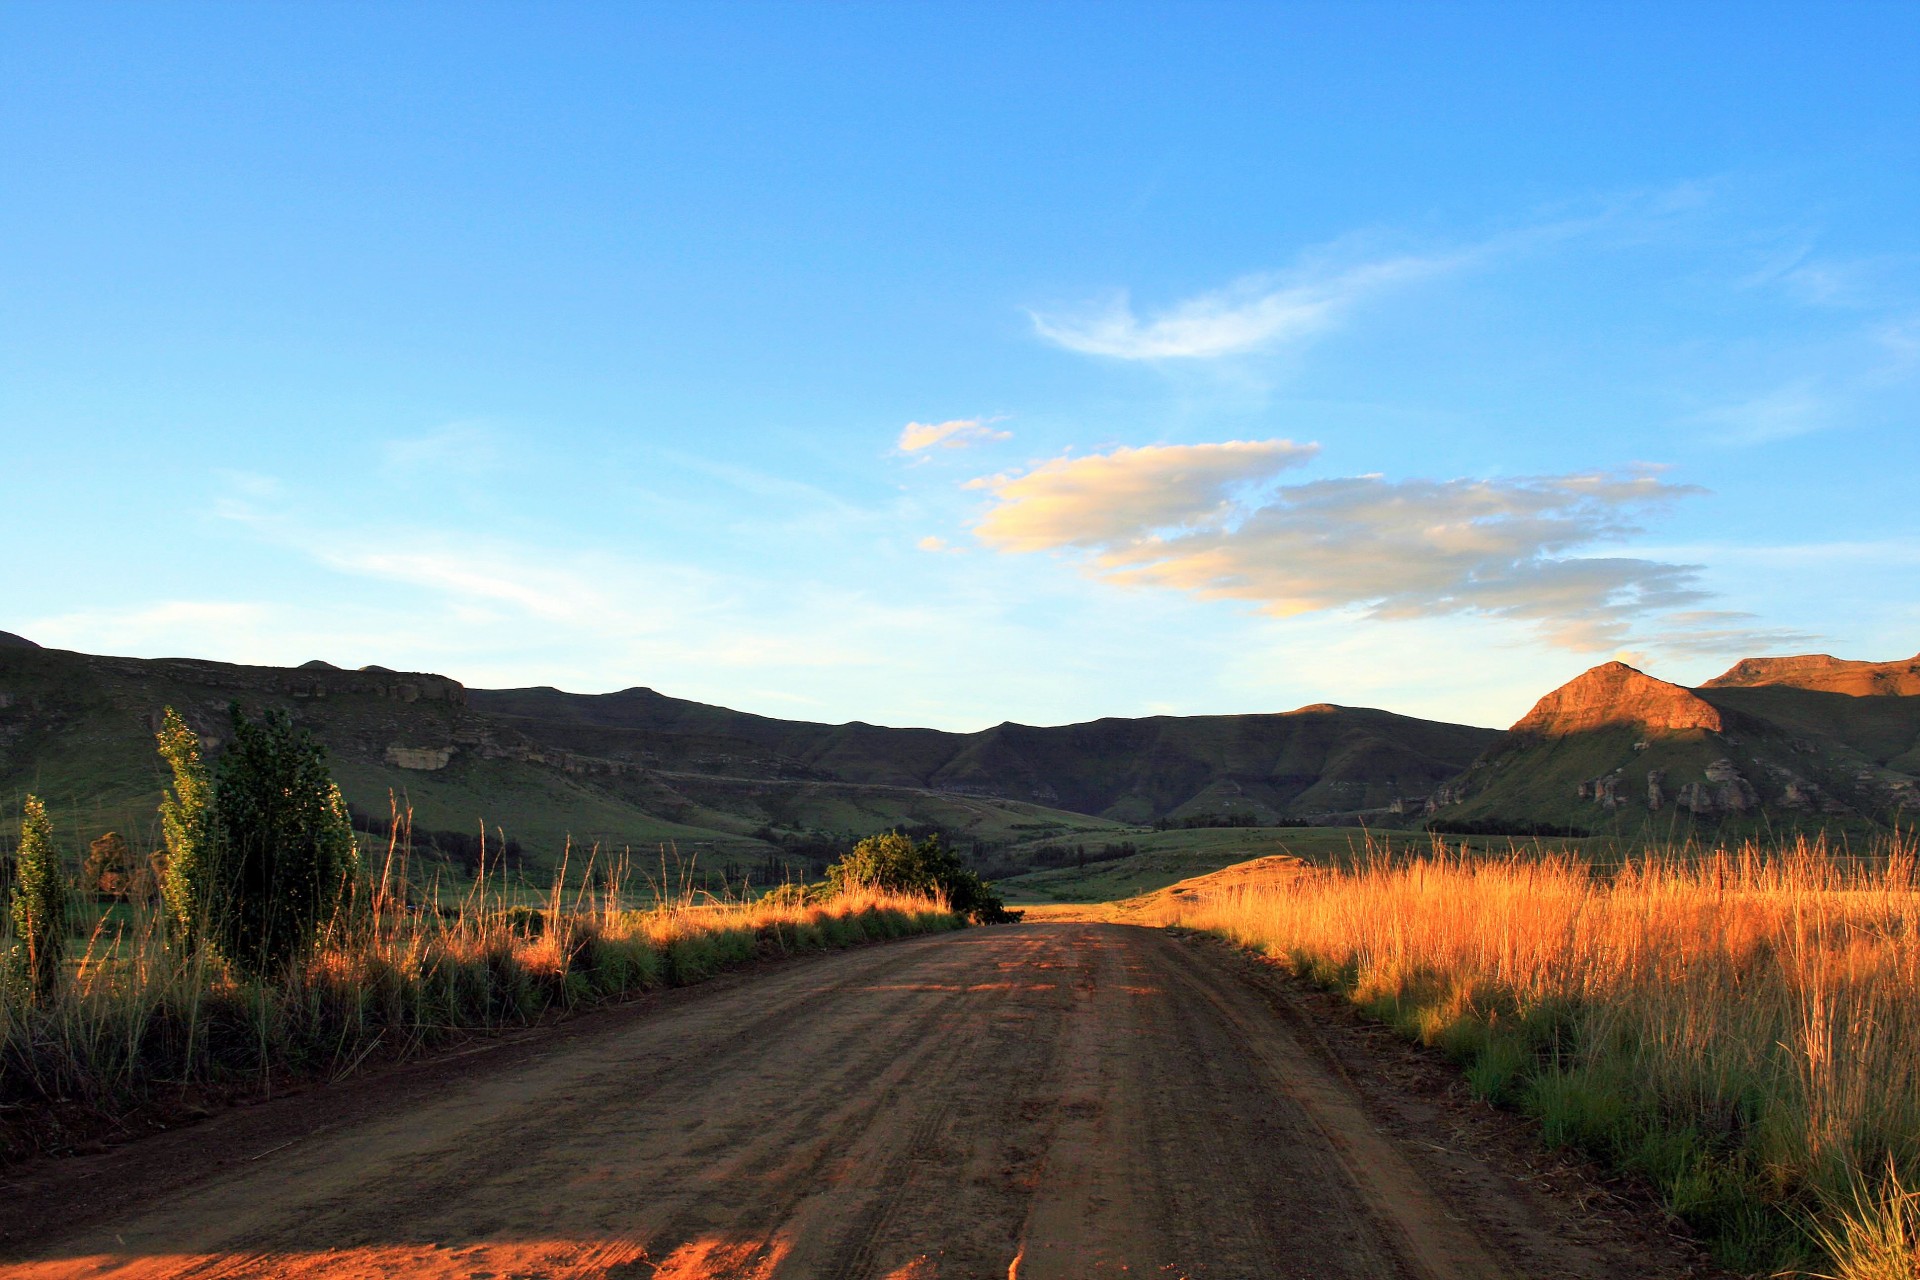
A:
(1717, 632)
(1254, 312)
(1813, 279)
(1793, 409)
(463, 447)
(1201, 519)
(957, 433)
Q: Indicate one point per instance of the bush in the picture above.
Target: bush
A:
(894, 863)
(108, 870)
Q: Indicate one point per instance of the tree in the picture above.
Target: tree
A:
(282, 858)
(108, 869)
(185, 819)
(894, 863)
(39, 901)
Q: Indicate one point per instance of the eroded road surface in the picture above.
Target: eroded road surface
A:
(1042, 1100)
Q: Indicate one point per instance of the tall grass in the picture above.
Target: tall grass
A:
(140, 1020)
(1742, 1027)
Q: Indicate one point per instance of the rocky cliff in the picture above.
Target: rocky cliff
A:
(1824, 673)
(1615, 694)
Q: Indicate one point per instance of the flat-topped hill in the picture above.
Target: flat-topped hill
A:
(1824, 673)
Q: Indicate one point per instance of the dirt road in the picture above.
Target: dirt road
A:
(1044, 1100)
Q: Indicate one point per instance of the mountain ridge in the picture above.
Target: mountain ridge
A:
(637, 766)
(1803, 740)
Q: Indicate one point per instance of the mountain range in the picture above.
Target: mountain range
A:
(1801, 741)
(637, 767)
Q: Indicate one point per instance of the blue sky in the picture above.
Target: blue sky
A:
(953, 364)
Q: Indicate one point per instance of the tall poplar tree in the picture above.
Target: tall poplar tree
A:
(39, 902)
(185, 815)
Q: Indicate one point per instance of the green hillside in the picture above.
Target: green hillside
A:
(538, 767)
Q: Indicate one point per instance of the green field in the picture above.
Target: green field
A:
(1167, 857)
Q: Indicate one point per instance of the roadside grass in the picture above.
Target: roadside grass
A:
(1739, 1026)
(140, 1021)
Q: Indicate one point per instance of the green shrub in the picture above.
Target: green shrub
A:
(282, 859)
(894, 863)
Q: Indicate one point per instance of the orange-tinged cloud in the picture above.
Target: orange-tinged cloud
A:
(1107, 498)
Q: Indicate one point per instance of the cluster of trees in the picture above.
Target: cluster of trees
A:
(772, 869)
(260, 855)
(1013, 862)
(1243, 818)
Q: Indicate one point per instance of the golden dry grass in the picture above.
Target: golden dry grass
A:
(1741, 1027)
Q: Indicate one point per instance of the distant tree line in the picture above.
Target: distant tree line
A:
(999, 864)
(1502, 827)
(1242, 818)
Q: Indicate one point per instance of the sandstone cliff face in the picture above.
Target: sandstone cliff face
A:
(1824, 673)
(1617, 694)
(427, 758)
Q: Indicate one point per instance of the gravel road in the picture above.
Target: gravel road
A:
(1037, 1101)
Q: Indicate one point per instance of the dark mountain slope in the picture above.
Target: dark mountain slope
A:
(636, 767)
(1317, 760)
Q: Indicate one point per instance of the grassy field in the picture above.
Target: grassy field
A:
(140, 1019)
(1740, 1027)
(1166, 857)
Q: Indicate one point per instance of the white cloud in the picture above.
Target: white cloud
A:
(1253, 312)
(1196, 519)
(957, 433)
